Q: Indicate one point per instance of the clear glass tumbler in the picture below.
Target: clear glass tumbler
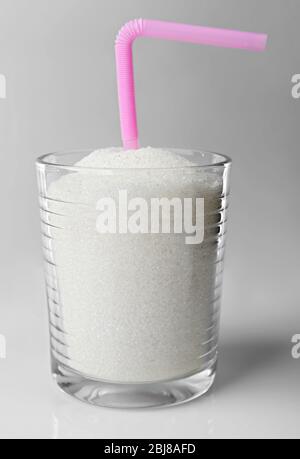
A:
(134, 262)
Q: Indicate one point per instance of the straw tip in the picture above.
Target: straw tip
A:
(262, 42)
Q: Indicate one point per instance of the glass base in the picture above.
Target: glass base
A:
(143, 395)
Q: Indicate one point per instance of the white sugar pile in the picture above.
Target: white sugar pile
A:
(133, 308)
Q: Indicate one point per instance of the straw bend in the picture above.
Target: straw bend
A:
(130, 31)
(167, 31)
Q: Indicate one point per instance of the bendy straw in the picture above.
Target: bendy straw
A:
(167, 31)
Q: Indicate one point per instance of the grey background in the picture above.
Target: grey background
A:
(58, 59)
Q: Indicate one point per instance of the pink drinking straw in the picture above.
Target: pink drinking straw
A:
(166, 31)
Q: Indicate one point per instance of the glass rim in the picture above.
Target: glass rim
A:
(44, 160)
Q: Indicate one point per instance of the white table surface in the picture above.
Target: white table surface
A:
(257, 393)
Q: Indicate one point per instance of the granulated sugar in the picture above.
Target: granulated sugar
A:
(133, 308)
